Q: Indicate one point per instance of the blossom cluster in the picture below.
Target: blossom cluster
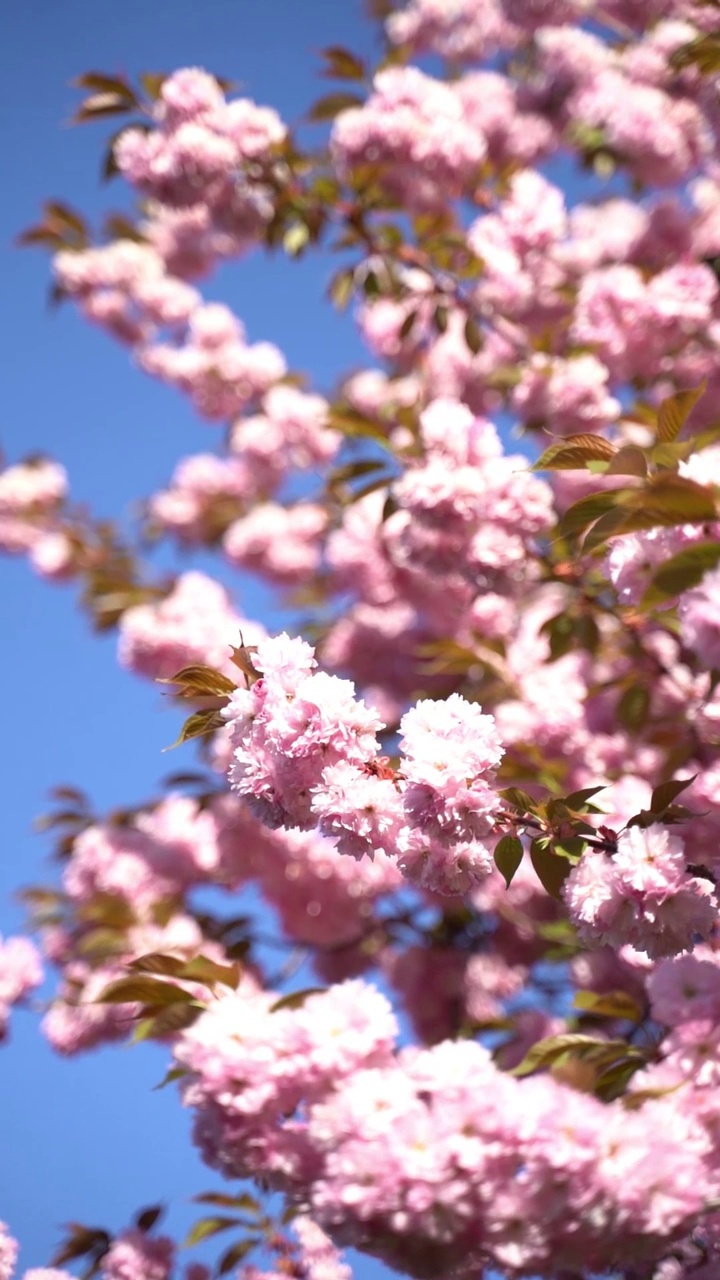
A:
(491, 784)
(20, 973)
(305, 754)
(402, 1154)
(31, 499)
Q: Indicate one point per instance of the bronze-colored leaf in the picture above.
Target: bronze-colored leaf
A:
(330, 106)
(157, 962)
(100, 82)
(198, 680)
(101, 104)
(209, 972)
(572, 452)
(152, 82)
(664, 794)
(235, 1254)
(702, 52)
(145, 1220)
(207, 1227)
(296, 999)
(341, 64)
(198, 725)
(674, 412)
(628, 461)
(147, 991)
(224, 1201)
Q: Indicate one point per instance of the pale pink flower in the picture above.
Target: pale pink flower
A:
(134, 1255)
(8, 1253)
(642, 895)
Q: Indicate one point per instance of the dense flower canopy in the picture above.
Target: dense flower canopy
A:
(476, 778)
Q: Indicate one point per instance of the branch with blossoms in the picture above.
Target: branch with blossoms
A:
(473, 783)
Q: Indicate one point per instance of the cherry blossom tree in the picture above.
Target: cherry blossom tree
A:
(476, 779)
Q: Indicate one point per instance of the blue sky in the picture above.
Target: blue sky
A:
(88, 1139)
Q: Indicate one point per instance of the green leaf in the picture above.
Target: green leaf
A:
(341, 288)
(578, 799)
(175, 1073)
(441, 318)
(572, 452)
(633, 1101)
(612, 1080)
(473, 335)
(606, 527)
(560, 631)
(668, 455)
(666, 792)
(296, 239)
(204, 1228)
(586, 511)
(611, 1004)
(587, 633)
(551, 869)
(355, 425)
(354, 471)
(223, 1201)
(330, 106)
(152, 82)
(168, 1021)
(633, 707)
(668, 499)
(545, 1052)
(519, 799)
(508, 856)
(296, 999)
(680, 573)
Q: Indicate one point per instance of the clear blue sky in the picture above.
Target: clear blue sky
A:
(87, 1139)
